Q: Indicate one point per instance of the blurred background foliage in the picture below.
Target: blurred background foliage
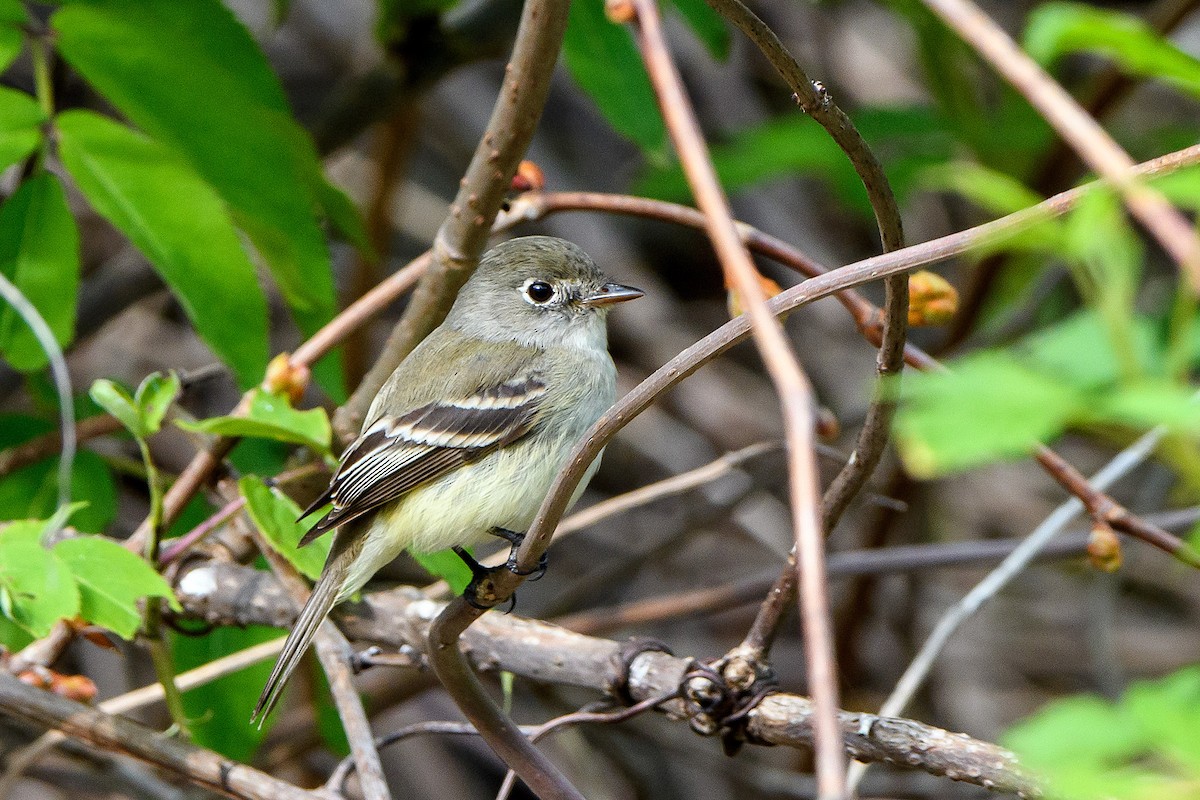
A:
(190, 184)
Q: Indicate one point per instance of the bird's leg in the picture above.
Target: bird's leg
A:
(481, 591)
(515, 538)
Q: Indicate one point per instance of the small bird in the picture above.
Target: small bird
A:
(466, 436)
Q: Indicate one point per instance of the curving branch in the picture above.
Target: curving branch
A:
(397, 618)
(1079, 130)
(791, 385)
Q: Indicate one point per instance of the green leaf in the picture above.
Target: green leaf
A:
(12, 636)
(21, 119)
(275, 514)
(604, 61)
(1147, 404)
(191, 76)
(271, 416)
(1078, 350)
(990, 189)
(116, 401)
(36, 585)
(795, 145)
(1055, 29)
(219, 712)
(13, 18)
(32, 492)
(180, 224)
(111, 581)
(39, 252)
(708, 25)
(446, 565)
(1143, 746)
(346, 219)
(154, 397)
(990, 407)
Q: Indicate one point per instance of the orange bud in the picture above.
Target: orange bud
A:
(1104, 548)
(529, 178)
(284, 377)
(931, 299)
(79, 688)
(620, 11)
(827, 425)
(733, 300)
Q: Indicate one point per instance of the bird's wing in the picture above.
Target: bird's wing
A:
(396, 454)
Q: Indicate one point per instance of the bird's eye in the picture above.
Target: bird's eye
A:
(539, 292)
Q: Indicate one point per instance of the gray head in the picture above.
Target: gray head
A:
(539, 291)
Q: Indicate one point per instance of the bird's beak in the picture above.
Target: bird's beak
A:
(611, 293)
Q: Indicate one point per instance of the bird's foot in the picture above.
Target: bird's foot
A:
(481, 591)
(515, 539)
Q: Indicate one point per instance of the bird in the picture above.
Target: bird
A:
(467, 434)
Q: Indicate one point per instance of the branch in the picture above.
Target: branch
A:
(994, 581)
(1085, 136)
(116, 734)
(229, 594)
(851, 563)
(333, 652)
(463, 235)
(791, 384)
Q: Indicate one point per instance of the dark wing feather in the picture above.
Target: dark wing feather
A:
(397, 454)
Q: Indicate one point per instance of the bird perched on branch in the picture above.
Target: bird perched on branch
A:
(467, 435)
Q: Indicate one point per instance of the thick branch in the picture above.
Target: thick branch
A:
(218, 593)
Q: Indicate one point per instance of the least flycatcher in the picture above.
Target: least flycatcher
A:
(468, 433)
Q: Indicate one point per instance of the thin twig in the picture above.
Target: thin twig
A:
(198, 766)
(18, 763)
(333, 651)
(1014, 564)
(1085, 136)
(848, 564)
(791, 385)
(62, 385)
(22, 455)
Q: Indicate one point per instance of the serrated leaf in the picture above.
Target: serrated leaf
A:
(191, 76)
(21, 118)
(707, 24)
(446, 565)
(154, 397)
(111, 581)
(604, 61)
(32, 492)
(37, 584)
(116, 401)
(275, 514)
(180, 224)
(39, 252)
(1055, 29)
(271, 416)
(989, 408)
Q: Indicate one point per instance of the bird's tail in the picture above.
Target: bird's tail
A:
(323, 596)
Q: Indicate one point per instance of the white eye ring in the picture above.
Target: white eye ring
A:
(538, 292)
